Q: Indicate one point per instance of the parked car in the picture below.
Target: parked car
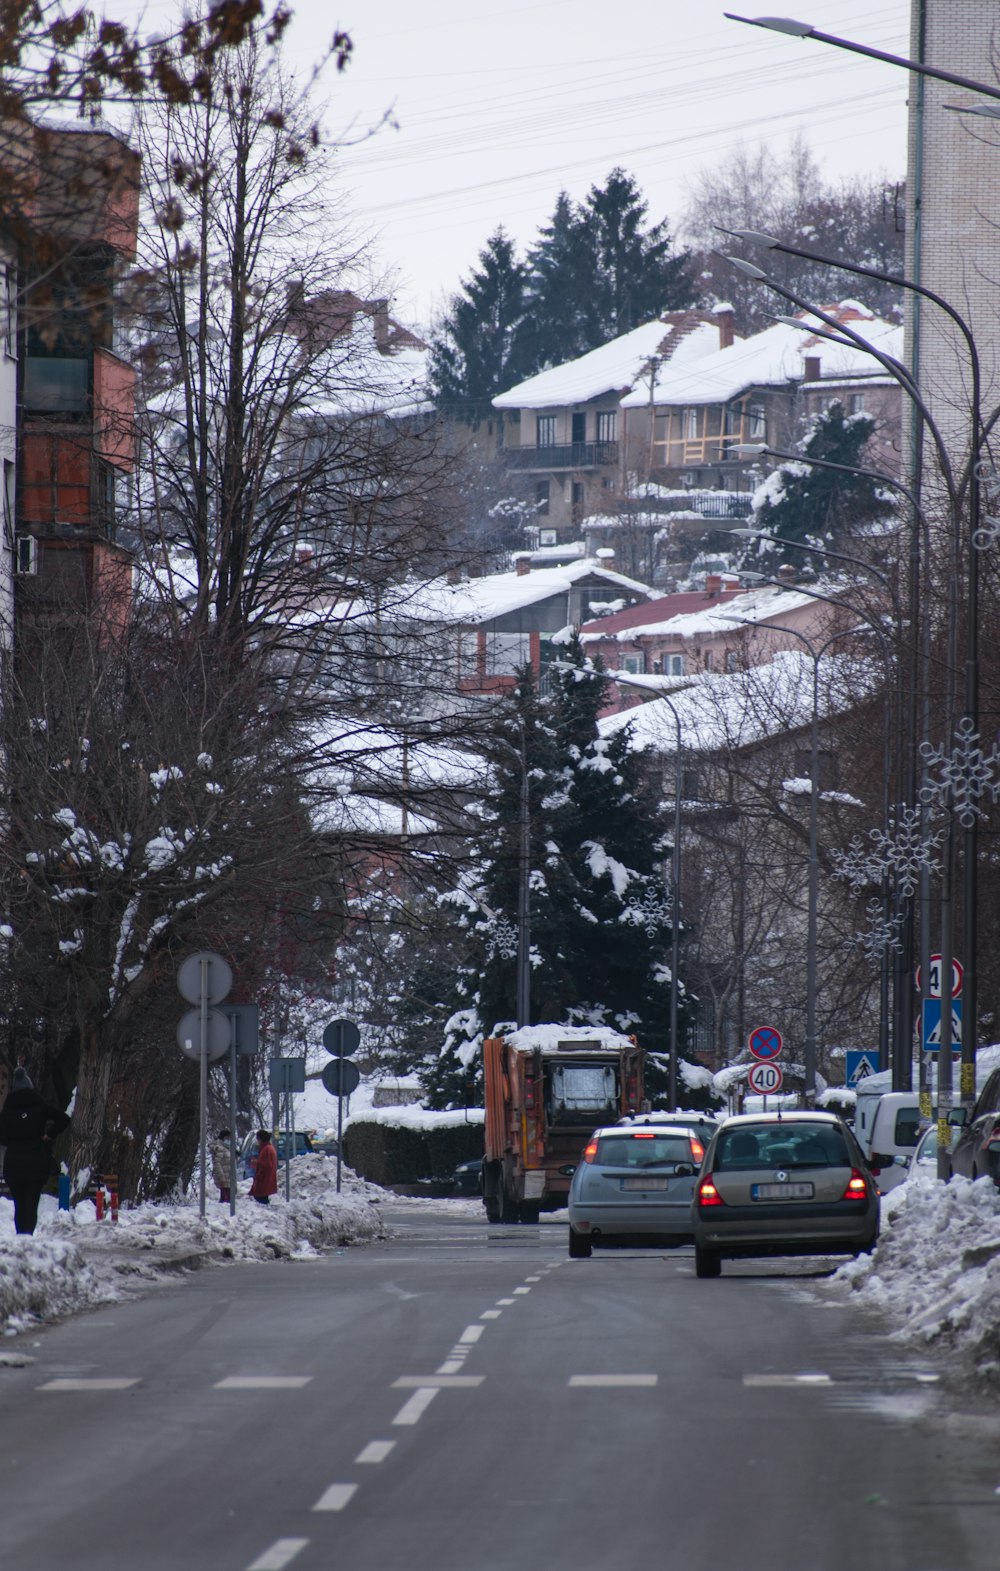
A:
(975, 1151)
(302, 1145)
(923, 1162)
(468, 1177)
(792, 1183)
(634, 1187)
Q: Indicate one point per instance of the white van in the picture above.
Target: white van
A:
(887, 1126)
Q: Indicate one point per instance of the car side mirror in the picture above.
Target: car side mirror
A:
(958, 1116)
(568, 1171)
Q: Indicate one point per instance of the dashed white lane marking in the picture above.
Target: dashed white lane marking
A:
(505, 1303)
(281, 1553)
(336, 1497)
(471, 1334)
(452, 1366)
(375, 1451)
(491, 1314)
(262, 1383)
(532, 1279)
(522, 1290)
(412, 1411)
(436, 1382)
(96, 1384)
(787, 1380)
(613, 1380)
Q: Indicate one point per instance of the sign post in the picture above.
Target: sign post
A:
(341, 1038)
(287, 1075)
(204, 979)
(765, 1075)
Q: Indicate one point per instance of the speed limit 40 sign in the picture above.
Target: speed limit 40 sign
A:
(765, 1078)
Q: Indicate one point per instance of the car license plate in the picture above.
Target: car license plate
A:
(644, 1183)
(781, 1192)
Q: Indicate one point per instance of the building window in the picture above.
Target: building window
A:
(856, 404)
(756, 422)
(826, 767)
(546, 430)
(547, 537)
(732, 660)
(707, 658)
(608, 482)
(468, 654)
(635, 664)
(541, 497)
(690, 784)
(576, 501)
(669, 665)
(506, 653)
(607, 425)
(691, 425)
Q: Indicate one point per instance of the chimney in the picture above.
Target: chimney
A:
(522, 566)
(713, 583)
(726, 320)
(380, 318)
(813, 369)
(787, 573)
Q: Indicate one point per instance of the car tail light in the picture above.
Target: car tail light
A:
(993, 1139)
(856, 1189)
(708, 1195)
(643, 1134)
(590, 1151)
(697, 1150)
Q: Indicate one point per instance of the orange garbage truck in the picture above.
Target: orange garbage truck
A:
(547, 1088)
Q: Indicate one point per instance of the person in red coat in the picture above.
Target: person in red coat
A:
(265, 1169)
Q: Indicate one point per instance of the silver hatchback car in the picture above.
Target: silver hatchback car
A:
(782, 1184)
(634, 1187)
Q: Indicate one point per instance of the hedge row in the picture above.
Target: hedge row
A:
(388, 1154)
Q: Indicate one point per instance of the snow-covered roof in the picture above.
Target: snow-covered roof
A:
(757, 607)
(736, 708)
(771, 358)
(482, 599)
(681, 336)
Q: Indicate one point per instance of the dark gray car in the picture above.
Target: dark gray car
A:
(782, 1184)
(634, 1188)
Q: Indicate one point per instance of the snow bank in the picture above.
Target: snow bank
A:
(74, 1262)
(936, 1270)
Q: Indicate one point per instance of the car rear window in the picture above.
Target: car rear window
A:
(907, 1131)
(782, 1145)
(641, 1151)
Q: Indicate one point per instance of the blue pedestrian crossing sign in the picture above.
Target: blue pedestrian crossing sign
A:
(861, 1064)
(932, 1025)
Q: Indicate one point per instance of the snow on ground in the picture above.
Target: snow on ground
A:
(935, 1273)
(74, 1262)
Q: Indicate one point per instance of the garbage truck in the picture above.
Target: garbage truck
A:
(547, 1088)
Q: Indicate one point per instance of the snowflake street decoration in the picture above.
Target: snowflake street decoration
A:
(882, 933)
(503, 938)
(966, 774)
(653, 910)
(901, 853)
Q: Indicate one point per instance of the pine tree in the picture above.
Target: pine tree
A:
(638, 274)
(562, 265)
(801, 502)
(482, 345)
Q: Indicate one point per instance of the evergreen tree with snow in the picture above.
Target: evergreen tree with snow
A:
(803, 503)
(482, 345)
(639, 275)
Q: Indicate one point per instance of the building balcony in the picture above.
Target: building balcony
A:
(574, 455)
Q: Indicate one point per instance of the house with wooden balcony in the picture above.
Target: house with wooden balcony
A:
(75, 392)
(564, 431)
(763, 389)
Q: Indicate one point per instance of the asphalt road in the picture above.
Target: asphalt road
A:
(465, 1398)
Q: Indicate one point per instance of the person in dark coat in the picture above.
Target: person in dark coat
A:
(265, 1169)
(28, 1126)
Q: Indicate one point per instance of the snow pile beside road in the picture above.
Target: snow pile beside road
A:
(936, 1269)
(74, 1262)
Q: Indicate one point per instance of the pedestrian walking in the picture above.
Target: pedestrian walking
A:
(221, 1164)
(265, 1169)
(28, 1126)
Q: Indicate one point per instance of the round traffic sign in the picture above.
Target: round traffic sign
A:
(934, 988)
(765, 1042)
(765, 1078)
(216, 971)
(341, 1038)
(189, 1034)
(341, 1077)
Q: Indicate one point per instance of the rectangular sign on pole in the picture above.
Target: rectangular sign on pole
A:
(932, 1025)
(286, 1074)
(860, 1063)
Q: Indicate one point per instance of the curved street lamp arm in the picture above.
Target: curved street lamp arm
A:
(778, 24)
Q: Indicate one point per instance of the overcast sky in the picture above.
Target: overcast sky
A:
(499, 104)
